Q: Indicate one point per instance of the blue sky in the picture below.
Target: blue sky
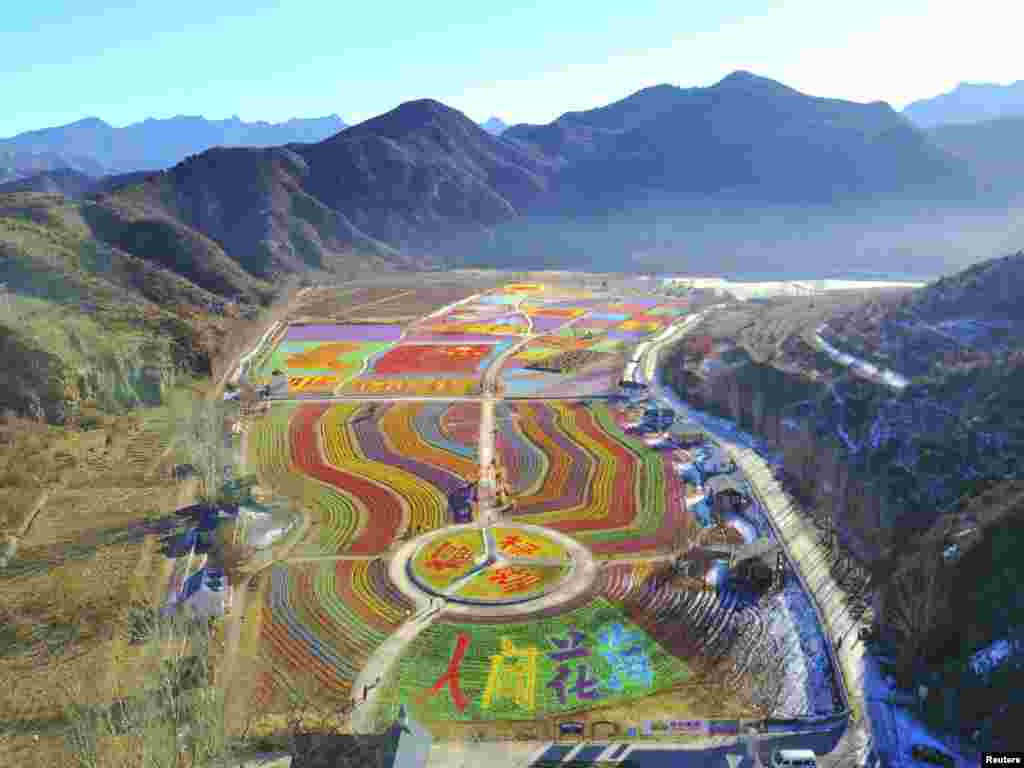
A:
(61, 60)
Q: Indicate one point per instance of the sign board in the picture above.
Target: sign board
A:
(723, 726)
(688, 726)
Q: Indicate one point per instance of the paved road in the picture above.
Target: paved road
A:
(807, 557)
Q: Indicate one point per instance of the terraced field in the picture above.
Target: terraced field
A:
(576, 470)
(324, 620)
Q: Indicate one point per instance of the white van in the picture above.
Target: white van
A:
(794, 758)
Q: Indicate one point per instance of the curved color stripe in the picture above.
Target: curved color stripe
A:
(385, 508)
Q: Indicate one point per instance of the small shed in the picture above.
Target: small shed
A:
(727, 492)
(731, 483)
(686, 433)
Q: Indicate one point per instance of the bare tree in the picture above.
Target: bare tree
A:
(198, 435)
(916, 603)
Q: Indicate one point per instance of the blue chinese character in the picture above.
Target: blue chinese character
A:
(626, 657)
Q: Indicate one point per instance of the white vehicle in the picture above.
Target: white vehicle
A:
(794, 758)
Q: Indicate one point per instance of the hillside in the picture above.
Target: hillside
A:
(86, 320)
(968, 103)
(63, 181)
(916, 450)
(97, 148)
(409, 179)
(424, 183)
(994, 148)
(745, 138)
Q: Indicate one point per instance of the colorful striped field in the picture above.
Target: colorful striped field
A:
(594, 482)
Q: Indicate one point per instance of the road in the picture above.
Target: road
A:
(806, 555)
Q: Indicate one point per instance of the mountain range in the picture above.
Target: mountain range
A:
(424, 184)
(96, 148)
(968, 103)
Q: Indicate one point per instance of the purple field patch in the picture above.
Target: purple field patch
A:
(459, 338)
(348, 332)
(545, 324)
(643, 302)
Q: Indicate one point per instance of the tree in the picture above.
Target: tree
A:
(916, 603)
(198, 436)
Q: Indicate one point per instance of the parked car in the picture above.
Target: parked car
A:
(926, 753)
(571, 728)
(794, 758)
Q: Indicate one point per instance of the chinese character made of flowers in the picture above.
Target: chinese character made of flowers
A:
(511, 579)
(624, 652)
(571, 647)
(513, 544)
(513, 675)
(450, 678)
(449, 556)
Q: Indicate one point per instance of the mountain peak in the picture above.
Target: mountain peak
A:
(411, 117)
(494, 125)
(743, 78)
(88, 122)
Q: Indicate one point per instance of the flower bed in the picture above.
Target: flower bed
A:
(382, 503)
(596, 483)
(515, 542)
(437, 387)
(326, 619)
(425, 506)
(593, 656)
(341, 360)
(436, 358)
(344, 332)
(413, 429)
(403, 451)
(441, 561)
(510, 583)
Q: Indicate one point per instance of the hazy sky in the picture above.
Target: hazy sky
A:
(124, 60)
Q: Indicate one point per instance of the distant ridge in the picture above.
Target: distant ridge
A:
(969, 103)
(95, 147)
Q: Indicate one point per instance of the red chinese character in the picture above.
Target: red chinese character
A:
(449, 555)
(515, 545)
(451, 676)
(513, 579)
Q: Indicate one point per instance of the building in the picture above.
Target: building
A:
(727, 493)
